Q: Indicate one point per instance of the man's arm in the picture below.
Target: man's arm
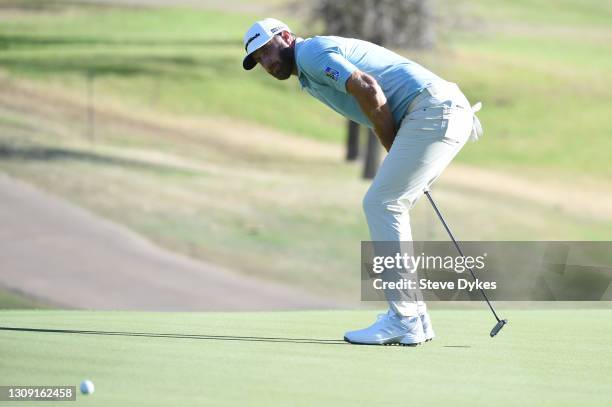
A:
(373, 103)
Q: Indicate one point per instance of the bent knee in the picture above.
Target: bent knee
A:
(374, 203)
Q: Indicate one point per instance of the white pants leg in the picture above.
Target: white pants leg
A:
(435, 128)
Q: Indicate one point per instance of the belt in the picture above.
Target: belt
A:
(426, 93)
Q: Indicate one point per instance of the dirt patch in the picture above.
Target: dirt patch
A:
(65, 255)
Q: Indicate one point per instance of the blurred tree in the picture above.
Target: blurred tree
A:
(352, 141)
(390, 23)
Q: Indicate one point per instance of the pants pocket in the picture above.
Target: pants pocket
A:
(428, 119)
(445, 122)
(459, 123)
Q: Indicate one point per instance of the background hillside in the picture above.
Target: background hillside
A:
(145, 116)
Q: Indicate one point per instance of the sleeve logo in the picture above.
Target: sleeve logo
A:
(332, 73)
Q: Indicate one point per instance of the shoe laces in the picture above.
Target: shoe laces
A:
(387, 315)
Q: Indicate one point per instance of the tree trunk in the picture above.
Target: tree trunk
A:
(352, 141)
(372, 158)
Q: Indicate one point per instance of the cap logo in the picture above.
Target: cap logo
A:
(246, 46)
(275, 29)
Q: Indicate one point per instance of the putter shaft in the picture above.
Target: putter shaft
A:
(500, 322)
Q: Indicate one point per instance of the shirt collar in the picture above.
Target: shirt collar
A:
(301, 77)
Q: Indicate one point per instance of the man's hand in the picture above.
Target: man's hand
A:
(373, 103)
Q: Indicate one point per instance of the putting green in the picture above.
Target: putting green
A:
(544, 357)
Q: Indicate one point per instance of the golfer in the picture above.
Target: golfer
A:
(421, 120)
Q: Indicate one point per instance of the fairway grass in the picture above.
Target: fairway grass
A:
(543, 358)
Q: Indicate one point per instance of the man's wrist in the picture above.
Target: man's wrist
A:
(385, 138)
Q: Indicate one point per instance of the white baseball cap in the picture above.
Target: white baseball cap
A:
(259, 35)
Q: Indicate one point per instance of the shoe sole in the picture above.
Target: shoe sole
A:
(391, 342)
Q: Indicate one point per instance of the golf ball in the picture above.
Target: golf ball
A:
(87, 387)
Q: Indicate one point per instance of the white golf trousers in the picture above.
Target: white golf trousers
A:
(436, 126)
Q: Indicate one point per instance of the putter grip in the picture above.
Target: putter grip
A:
(498, 327)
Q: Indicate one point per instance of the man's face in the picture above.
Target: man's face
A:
(276, 57)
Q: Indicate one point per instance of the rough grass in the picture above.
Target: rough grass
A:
(540, 68)
(179, 61)
(10, 299)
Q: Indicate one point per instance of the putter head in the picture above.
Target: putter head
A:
(498, 327)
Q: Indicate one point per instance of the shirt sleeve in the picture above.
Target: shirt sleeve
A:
(328, 66)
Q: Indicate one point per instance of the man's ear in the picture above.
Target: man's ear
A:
(287, 37)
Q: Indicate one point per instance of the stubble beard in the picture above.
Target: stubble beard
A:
(287, 62)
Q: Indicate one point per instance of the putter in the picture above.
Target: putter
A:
(500, 322)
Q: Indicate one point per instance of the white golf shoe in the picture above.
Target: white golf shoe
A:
(389, 329)
(427, 327)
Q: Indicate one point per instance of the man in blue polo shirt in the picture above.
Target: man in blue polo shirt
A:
(421, 120)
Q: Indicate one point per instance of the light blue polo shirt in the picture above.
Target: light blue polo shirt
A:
(325, 63)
